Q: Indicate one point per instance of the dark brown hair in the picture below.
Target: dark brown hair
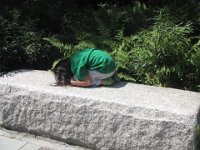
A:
(62, 72)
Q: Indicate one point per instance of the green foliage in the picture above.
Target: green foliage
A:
(194, 60)
(64, 49)
(158, 55)
(195, 57)
(102, 26)
(21, 44)
(67, 50)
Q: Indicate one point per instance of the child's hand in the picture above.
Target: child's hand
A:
(85, 83)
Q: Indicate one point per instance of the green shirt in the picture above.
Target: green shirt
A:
(91, 59)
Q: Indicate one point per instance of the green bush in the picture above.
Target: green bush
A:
(194, 74)
(21, 44)
(158, 55)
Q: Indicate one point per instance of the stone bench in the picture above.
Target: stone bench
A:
(125, 116)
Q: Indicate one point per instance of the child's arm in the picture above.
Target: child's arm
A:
(85, 83)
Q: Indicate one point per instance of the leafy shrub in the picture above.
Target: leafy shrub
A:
(103, 25)
(66, 50)
(158, 55)
(21, 44)
(194, 74)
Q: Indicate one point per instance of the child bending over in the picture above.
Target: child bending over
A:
(88, 67)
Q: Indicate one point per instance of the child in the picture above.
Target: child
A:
(88, 67)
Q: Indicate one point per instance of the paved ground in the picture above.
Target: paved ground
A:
(12, 140)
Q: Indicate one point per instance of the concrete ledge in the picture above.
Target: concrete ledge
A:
(123, 117)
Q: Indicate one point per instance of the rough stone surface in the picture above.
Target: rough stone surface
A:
(126, 116)
(14, 140)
